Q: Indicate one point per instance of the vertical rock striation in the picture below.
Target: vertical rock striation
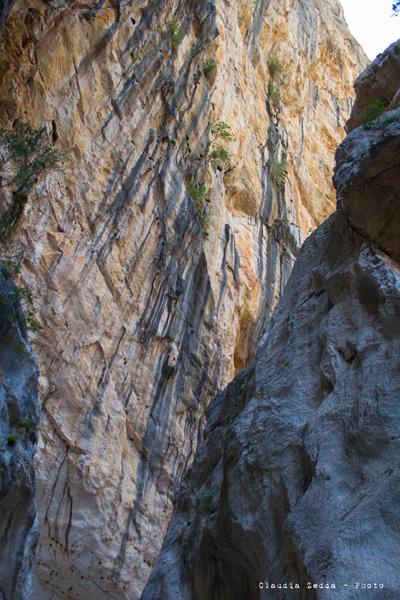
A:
(154, 257)
(19, 412)
(297, 478)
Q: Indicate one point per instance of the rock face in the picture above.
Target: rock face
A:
(297, 478)
(19, 412)
(155, 257)
(379, 82)
(5, 10)
(367, 181)
(368, 162)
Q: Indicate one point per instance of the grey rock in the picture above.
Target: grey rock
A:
(380, 81)
(19, 413)
(367, 179)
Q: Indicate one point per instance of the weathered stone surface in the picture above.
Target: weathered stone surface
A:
(367, 181)
(144, 319)
(19, 415)
(5, 9)
(380, 81)
(299, 481)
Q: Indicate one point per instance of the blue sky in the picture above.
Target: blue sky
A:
(371, 23)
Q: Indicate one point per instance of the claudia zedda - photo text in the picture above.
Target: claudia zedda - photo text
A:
(265, 585)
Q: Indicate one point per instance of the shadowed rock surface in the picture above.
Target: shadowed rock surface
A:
(367, 181)
(19, 415)
(368, 162)
(299, 480)
(5, 9)
(380, 81)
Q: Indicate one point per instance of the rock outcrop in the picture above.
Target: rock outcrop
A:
(163, 241)
(367, 179)
(19, 415)
(297, 479)
(380, 82)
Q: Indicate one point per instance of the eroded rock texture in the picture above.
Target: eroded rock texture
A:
(144, 320)
(297, 479)
(369, 160)
(380, 81)
(19, 415)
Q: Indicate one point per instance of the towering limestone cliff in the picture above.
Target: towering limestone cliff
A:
(196, 142)
(297, 480)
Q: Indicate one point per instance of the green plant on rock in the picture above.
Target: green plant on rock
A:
(28, 425)
(14, 268)
(20, 349)
(149, 561)
(275, 66)
(375, 109)
(197, 192)
(278, 172)
(12, 439)
(27, 308)
(199, 195)
(177, 33)
(25, 153)
(17, 305)
(221, 130)
(135, 55)
(209, 67)
(219, 157)
(207, 503)
(274, 94)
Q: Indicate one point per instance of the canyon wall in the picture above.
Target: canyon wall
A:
(196, 143)
(297, 479)
(19, 415)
